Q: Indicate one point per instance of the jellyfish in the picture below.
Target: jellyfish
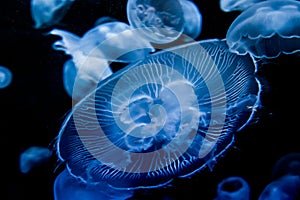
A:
(46, 13)
(158, 21)
(233, 188)
(67, 187)
(192, 19)
(161, 117)
(266, 29)
(33, 157)
(5, 77)
(237, 5)
(284, 188)
(288, 164)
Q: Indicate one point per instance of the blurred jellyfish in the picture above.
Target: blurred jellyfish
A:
(237, 5)
(287, 165)
(284, 188)
(162, 117)
(67, 187)
(104, 19)
(233, 188)
(192, 19)
(46, 13)
(5, 77)
(159, 21)
(33, 157)
(266, 30)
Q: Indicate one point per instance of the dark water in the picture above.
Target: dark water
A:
(32, 108)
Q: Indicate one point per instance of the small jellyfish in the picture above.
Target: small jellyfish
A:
(33, 157)
(284, 188)
(287, 165)
(266, 29)
(192, 19)
(237, 5)
(46, 13)
(162, 117)
(159, 21)
(104, 19)
(5, 77)
(233, 188)
(67, 187)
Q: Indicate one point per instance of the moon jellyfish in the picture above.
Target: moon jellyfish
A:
(237, 5)
(162, 117)
(46, 13)
(33, 157)
(159, 21)
(284, 188)
(192, 19)
(233, 188)
(5, 77)
(266, 29)
(67, 187)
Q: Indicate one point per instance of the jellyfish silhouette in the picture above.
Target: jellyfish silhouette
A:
(233, 188)
(266, 29)
(237, 5)
(288, 164)
(67, 187)
(169, 115)
(158, 21)
(48, 13)
(5, 77)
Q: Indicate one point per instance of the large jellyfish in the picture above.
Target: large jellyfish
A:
(158, 21)
(46, 13)
(5, 77)
(266, 29)
(237, 5)
(169, 115)
(233, 188)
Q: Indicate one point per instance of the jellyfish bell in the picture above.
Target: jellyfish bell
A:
(5, 77)
(237, 5)
(288, 164)
(48, 13)
(266, 29)
(159, 118)
(158, 21)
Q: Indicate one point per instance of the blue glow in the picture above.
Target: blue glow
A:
(159, 21)
(46, 13)
(5, 77)
(284, 188)
(166, 104)
(237, 5)
(33, 157)
(233, 188)
(67, 187)
(266, 29)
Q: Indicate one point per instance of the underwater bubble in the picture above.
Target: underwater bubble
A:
(266, 29)
(33, 157)
(159, 21)
(233, 188)
(5, 77)
(46, 13)
(162, 117)
(67, 187)
(237, 5)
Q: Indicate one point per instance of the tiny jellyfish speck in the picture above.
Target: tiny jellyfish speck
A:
(266, 29)
(237, 5)
(46, 13)
(33, 157)
(5, 77)
(67, 187)
(159, 21)
(169, 115)
(233, 188)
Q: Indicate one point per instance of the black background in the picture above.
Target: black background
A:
(33, 107)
